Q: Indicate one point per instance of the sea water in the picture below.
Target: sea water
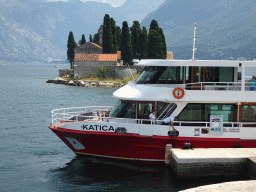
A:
(33, 158)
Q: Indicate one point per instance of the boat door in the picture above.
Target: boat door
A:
(247, 113)
(247, 116)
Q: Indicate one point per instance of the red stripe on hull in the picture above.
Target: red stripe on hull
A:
(137, 147)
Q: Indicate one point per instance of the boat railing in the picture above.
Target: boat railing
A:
(79, 113)
(101, 114)
(225, 86)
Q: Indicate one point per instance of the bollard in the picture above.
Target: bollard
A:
(168, 153)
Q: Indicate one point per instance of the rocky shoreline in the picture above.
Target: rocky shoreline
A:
(82, 83)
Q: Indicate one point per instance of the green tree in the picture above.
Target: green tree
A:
(96, 38)
(114, 37)
(119, 38)
(135, 33)
(90, 38)
(154, 25)
(82, 41)
(103, 71)
(107, 43)
(71, 45)
(143, 44)
(155, 47)
(155, 42)
(163, 43)
(126, 48)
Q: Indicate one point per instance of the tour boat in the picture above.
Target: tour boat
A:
(211, 99)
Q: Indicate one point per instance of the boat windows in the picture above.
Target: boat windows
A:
(165, 109)
(161, 75)
(210, 74)
(180, 75)
(144, 110)
(125, 110)
(203, 111)
(248, 113)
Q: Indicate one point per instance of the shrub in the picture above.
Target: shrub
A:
(92, 74)
(103, 70)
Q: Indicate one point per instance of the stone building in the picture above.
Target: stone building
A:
(85, 64)
(89, 57)
(88, 48)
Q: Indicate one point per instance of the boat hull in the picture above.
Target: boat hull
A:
(135, 147)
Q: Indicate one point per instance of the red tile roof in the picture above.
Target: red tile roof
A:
(95, 57)
(108, 57)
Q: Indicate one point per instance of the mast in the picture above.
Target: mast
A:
(194, 44)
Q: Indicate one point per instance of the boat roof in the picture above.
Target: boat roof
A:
(198, 63)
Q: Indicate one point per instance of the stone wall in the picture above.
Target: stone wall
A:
(64, 72)
(124, 72)
(82, 69)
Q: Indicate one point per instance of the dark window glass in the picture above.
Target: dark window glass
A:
(248, 113)
(202, 112)
(125, 110)
(161, 75)
(165, 109)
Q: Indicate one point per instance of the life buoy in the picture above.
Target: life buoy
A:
(178, 92)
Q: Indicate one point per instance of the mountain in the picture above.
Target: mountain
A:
(225, 28)
(38, 30)
(138, 9)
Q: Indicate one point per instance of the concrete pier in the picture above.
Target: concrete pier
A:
(237, 186)
(214, 162)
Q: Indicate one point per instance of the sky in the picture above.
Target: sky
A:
(114, 3)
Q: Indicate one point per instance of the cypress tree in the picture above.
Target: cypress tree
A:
(119, 38)
(96, 38)
(114, 37)
(155, 47)
(135, 33)
(143, 44)
(155, 42)
(163, 43)
(82, 41)
(154, 25)
(90, 38)
(71, 45)
(126, 48)
(107, 35)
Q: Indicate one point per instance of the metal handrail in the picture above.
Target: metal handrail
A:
(229, 86)
(65, 116)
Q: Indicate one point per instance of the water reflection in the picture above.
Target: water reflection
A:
(93, 174)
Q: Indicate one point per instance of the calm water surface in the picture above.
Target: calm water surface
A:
(33, 158)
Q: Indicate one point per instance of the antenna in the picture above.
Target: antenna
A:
(194, 44)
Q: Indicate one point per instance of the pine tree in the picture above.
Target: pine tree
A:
(82, 41)
(163, 43)
(107, 35)
(143, 44)
(126, 48)
(90, 38)
(135, 33)
(71, 45)
(114, 37)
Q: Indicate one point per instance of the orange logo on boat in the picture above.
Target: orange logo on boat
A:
(178, 92)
